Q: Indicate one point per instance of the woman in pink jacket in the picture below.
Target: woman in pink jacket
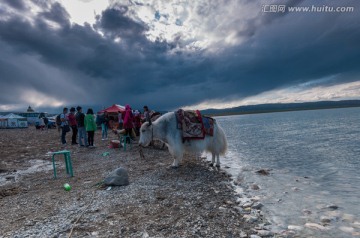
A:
(128, 120)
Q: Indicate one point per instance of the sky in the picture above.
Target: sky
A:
(177, 54)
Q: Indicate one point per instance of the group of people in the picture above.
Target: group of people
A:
(83, 126)
(129, 122)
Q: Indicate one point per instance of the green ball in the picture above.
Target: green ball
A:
(67, 187)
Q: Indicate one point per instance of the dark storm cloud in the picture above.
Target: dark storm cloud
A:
(122, 66)
(18, 4)
(114, 20)
(57, 13)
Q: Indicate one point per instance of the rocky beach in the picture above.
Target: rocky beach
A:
(195, 200)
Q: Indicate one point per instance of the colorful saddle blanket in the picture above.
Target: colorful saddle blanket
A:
(193, 125)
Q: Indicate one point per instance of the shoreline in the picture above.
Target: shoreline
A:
(194, 200)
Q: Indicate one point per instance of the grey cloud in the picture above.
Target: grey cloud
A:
(114, 23)
(91, 68)
(57, 13)
(18, 4)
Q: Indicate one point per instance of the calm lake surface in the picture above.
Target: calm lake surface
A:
(314, 162)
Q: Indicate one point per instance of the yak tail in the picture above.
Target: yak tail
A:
(222, 141)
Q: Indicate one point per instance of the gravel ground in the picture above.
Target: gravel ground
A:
(194, 200)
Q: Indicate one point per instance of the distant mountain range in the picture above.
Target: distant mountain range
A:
(282, 107)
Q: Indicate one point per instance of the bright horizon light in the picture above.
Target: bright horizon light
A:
(346, 91)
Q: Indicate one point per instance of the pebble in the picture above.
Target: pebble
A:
(239, 209)
(255, 187)
(255, 236)
(222, 209)
(347, 229)
(296, 228)
(242, 200)
(243, 235)
(356, 224)
(250, 218)
(247, 204)
(288, 234)
(265, 233)
(335, 214)
(316, 226)
(263, 171)
(255, 198)
(332, 207)
(307, 212)
(229, 202)
(257, 205)
(348, 217)
(325, 219)
(145, 235)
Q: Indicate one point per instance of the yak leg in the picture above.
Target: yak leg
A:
(217, 160)
(177, 157)
(212, 159)
(175, 164)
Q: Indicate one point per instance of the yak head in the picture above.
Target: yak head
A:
(146, 134)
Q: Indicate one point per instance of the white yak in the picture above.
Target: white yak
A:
(164, 129)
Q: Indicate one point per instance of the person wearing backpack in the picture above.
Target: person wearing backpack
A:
(64, 125)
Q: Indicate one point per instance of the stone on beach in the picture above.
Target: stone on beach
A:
(316, 226)
(255, 236)
(325, 219)
(255, 187)
(348, 217)
(265, 233)
(251, 218)
(263, 171)
(296, 228)
(332, 207)
(257, 205)
(118, 177)
(347, 229)
(356, 224)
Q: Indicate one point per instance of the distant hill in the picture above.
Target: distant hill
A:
(282, 107)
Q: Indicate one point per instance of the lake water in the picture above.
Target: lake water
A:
(314, 163)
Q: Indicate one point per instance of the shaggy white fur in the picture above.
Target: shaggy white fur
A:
(164, 129)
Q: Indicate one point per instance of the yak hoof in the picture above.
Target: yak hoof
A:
(218, 165)
(174, 167)
(211, 164)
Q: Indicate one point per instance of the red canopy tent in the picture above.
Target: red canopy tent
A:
(113, 114)
(115, 108)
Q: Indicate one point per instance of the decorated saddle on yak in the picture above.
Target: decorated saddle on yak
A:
(193, 125)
